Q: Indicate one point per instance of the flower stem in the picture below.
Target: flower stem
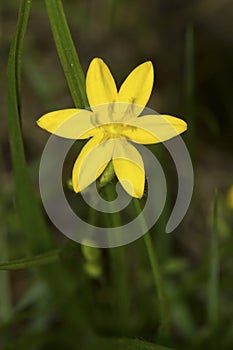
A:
(164, 321)
(5, 292)
(119, 273)
(213, 292)
(67, 52)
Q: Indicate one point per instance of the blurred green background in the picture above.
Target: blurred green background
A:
(68, 303)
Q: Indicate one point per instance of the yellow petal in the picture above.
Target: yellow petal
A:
(154, 128)
(137, 87)
(129, 168)
(91, 162)
(70, 123)
(100, 85)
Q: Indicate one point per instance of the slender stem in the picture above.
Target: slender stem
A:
(164, 321)
(119, 271)
(155, 267)
(67, 53)
(213, 304)
(5, 292)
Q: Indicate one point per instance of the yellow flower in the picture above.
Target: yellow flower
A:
(113, 123)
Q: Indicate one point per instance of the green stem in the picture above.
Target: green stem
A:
(107, 175)
(67, 53)
(164, 321)
(213, 304)
(119, 272)
(36, 260)
(5, 291)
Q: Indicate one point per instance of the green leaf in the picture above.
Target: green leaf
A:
(33, 224)
(5, 290)
(213, 292)
(67, 52)
(124, 344)
(28, 206)
(36, 260)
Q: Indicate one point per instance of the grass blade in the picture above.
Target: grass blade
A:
(28, 206)
(213, 303)
(36, 260)
(67, 52)
(5, 292)
(125, 343)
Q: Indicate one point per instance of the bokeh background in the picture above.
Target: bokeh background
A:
(190, 44)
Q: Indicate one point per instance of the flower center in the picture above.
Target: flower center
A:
(117, 130)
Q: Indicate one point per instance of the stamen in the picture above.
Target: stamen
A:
(111, 110)
(129, 110)
(95, 118)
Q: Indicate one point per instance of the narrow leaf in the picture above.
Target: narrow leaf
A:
(213, 297)
(125, 343)
(28, 206)
(36, 260)
(67, 52)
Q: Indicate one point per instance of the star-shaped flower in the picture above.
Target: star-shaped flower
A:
(114, 123)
